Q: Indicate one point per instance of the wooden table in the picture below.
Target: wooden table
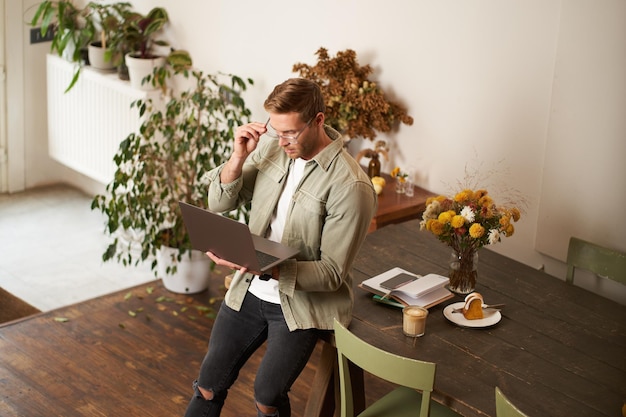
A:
(559, 350)
(396, 208)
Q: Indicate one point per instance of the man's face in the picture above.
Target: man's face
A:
(297, 138)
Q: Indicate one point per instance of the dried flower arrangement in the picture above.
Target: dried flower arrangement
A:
(355, 106)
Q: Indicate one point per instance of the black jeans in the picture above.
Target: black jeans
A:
(236, 335)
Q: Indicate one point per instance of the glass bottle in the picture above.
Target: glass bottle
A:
(373, 169)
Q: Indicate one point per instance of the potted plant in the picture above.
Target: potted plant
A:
(107, 19)
(355, 106)
(164, 163)
(72, 30)
(134, 42)
(120, 43)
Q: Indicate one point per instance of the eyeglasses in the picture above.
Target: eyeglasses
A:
(289, 138)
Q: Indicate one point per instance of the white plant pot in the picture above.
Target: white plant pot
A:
(139, 68)
(96, 57)
(192, 274)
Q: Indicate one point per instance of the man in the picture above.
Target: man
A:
(308, 193)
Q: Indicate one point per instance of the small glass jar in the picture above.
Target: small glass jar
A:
(373, 169)
(400, 186)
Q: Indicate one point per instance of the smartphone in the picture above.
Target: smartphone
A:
(397, 281)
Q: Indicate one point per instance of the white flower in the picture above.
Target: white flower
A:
(468, 214)
(432, 210)
(494, 236)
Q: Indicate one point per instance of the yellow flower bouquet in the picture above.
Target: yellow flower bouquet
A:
(467, 222)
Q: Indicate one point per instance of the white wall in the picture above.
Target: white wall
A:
(4, 180)
(586, 142)
(475, 78)
(29, 164)
(480, 77)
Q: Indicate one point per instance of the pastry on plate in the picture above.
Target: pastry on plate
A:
(473, 308)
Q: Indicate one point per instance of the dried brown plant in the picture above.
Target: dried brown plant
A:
(355, 106)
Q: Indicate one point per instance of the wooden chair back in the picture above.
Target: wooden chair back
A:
(399, 370)
(504, 408)
(595, 258)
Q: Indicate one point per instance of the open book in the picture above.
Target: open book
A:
(425, 291)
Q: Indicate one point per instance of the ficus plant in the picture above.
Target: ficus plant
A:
(180, 139)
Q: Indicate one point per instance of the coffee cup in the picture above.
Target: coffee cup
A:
(414, 320)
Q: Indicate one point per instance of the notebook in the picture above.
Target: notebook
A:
(425, 291)
(232, 240)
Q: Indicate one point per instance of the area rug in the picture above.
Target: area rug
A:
(13, 308)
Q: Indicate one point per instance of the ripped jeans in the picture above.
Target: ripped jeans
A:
(234, 338)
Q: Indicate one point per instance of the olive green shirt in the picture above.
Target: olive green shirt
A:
(329, 216)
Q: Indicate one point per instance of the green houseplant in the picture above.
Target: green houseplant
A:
(141, 31)
(164, 163)
(355, 106)
(135, 40)
(107, 19)
(121, 42)
(72, 30)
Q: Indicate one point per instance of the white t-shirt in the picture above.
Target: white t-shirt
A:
(268, 290)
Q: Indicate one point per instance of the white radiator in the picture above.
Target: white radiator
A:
(87, 124)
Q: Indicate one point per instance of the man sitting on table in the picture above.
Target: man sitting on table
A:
(308, 193)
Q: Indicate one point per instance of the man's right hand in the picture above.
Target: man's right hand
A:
(246, 139)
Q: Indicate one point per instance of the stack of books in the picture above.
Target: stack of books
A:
(401, 288)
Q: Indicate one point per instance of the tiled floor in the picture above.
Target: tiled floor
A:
(51, 246)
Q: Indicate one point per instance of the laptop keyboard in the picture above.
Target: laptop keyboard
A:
(265, 258)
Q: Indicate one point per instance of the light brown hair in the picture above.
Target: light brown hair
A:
(296, 95)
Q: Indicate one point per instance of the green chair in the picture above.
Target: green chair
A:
(595, 258)
(409, 374)
(504, 408)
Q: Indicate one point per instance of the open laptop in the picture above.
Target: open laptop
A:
(232, 240)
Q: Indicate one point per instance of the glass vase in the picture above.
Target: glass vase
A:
(400, 186)
(463, 271)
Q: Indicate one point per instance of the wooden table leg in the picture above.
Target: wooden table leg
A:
(321, 400)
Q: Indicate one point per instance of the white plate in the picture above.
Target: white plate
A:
(491, 316)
